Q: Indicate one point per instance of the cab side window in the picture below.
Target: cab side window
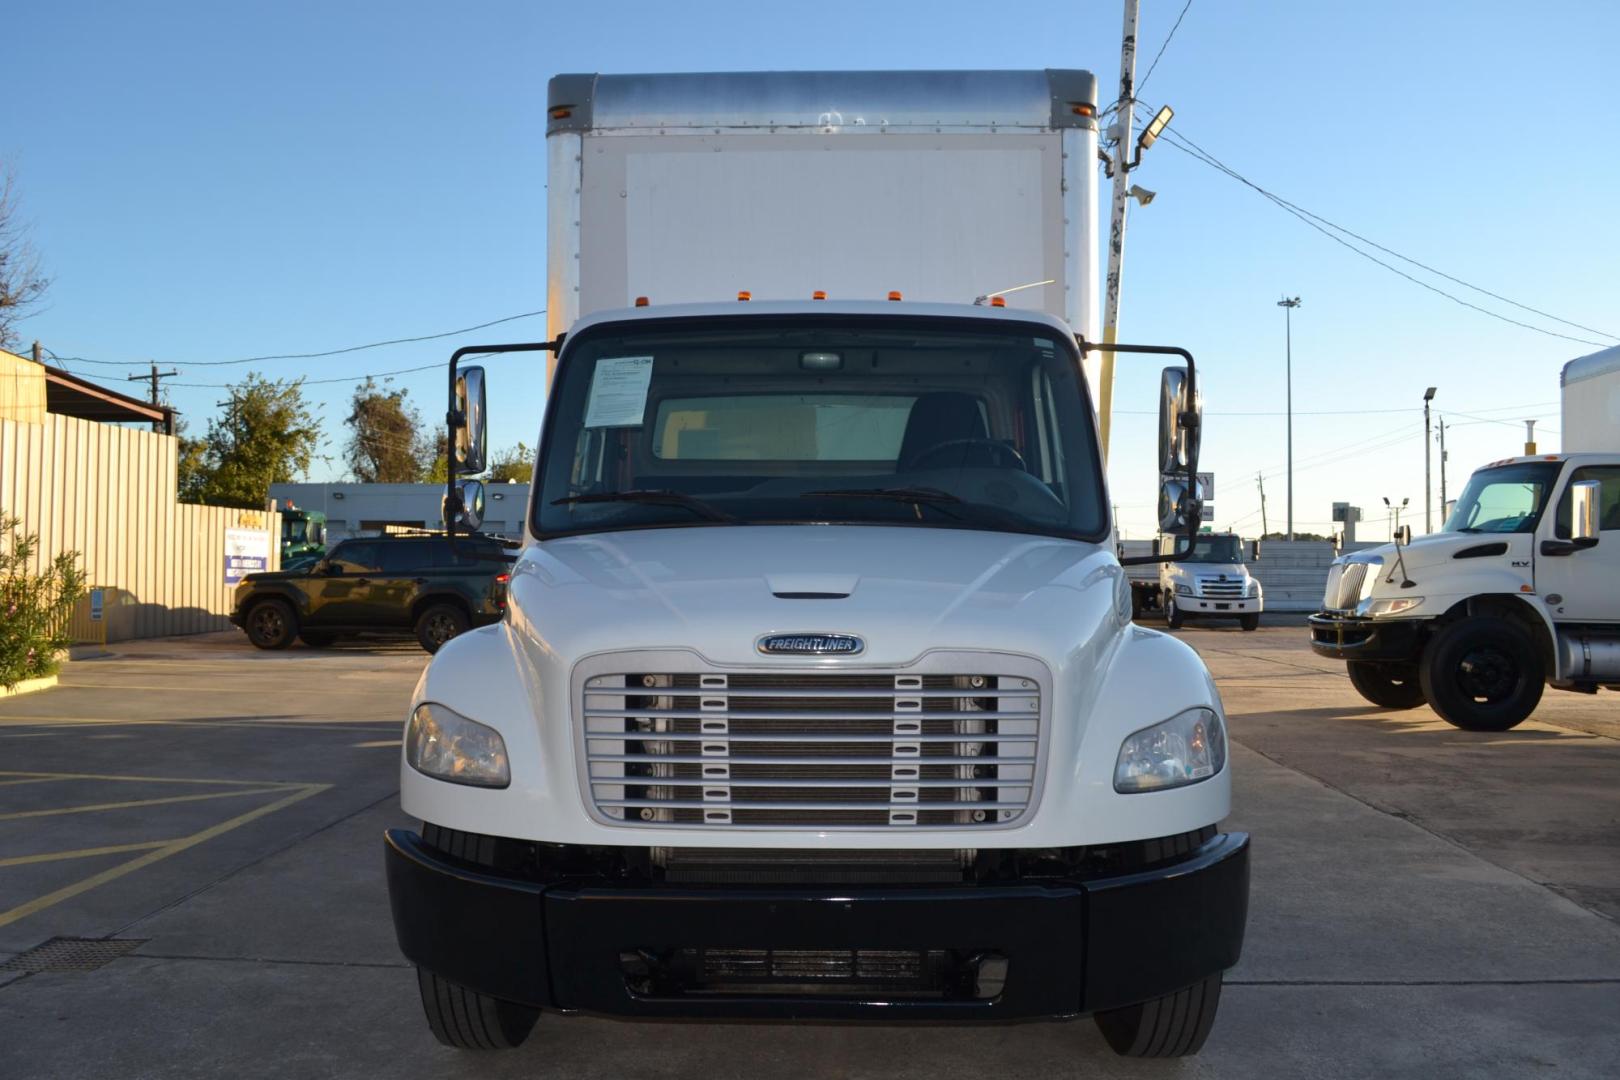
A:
(1608, 502)
(356, 558)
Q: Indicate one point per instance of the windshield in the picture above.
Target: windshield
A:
(1212, 549)
(1505, 499)
(945, 423)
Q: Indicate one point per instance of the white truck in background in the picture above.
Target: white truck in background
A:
(818, 693)
(1519, 589)
(1213, 582)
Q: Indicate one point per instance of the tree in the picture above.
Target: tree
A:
(22, 284)
(268, 435)
(386, 444)
(512, 466)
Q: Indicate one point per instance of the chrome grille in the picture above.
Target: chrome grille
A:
(1343, 589)
(810, 749)
(1215, 588)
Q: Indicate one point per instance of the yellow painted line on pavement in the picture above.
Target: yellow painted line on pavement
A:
(82, 853)
(155, 779)
(39, 904)
(56, 811)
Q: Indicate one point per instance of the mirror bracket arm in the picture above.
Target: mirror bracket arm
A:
(454, 419)
(1195, 517)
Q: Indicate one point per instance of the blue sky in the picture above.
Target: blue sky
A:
(210, 181)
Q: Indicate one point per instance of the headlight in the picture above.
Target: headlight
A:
(1184, 749)
(1183, 590)
(445, 745)
(1391, 605)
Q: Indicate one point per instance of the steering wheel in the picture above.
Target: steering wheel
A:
(1007, 453)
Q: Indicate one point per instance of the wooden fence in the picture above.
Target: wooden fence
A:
(108, 492)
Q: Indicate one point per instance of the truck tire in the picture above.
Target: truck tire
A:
(271, 624)
(438, 623)
(1250, 621)
(1388, 684)
(1175, 1025)
(1482, 673)
(467, 1020)
(1172, 613)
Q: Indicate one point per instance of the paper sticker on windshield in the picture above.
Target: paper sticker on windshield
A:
(619, 392)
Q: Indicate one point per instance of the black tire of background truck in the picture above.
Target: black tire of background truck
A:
(1172, 613)
(1175, 1025)
(1483, 673)
(471, 1021)
(438, 623)
(271, 624)
(1388, 684)
(314, 640)
(1249, 622)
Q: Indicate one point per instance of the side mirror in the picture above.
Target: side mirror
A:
(1584, 498)
(465, 508)
(469, 438)
(1180, 417)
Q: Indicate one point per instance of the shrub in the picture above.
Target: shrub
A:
(34, 607)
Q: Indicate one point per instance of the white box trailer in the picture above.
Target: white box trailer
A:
(1591, 420)
(943, 186)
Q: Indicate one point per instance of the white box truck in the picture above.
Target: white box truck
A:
(818, 693)
(1520, 589)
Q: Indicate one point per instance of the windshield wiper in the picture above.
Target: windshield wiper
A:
(652, 497)
(917, 496)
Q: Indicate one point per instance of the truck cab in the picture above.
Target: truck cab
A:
(1520, 589)
(1211, 580)
(817, 693)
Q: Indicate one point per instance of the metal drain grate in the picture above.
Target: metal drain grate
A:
(72, 954)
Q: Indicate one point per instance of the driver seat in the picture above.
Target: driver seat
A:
(944, 416)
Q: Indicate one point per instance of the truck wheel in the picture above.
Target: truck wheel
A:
(1250, 622)
(438, 624)
(1172, 1026)
(1482, 674)
(471, 1021)
(1172, 613)
(1391, 685)
(271, 624)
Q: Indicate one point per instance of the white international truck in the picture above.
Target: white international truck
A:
(1212, 582)
(1519, 589)
(818, 693)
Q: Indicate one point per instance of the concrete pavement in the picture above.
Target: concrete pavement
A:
(1425, 902)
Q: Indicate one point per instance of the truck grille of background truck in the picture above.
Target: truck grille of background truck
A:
(811, 749)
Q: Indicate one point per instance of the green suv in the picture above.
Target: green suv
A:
(383, 584)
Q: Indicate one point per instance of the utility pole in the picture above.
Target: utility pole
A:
(157, 425)
(1428, 440)
(1261, 480)
(1442, 470)
(1116, 228)
(1288, 305)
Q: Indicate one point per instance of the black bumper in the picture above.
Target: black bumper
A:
(1346, 637)
(1070, 946)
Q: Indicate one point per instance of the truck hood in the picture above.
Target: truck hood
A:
(903, 590)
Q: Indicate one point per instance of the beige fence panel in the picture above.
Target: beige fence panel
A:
(108, 493)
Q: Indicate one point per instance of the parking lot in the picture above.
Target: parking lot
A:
(1426, 902)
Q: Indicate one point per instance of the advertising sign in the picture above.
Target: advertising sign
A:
(247, 551)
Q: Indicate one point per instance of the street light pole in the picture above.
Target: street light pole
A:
(1288, 305)
(1428, 502)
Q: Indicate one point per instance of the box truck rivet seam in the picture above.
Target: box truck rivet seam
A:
(817, 692)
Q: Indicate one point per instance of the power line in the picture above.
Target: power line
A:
(1162, 47)
(1198, 153)
(314, 355)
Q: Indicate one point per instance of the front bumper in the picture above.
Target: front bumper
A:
(1070, 947)
(1350, 637)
